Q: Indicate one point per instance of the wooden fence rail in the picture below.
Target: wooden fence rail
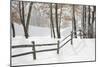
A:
(65, 43)
(28, 45)
(31, 52)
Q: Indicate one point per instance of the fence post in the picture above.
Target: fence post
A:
(58, 47)
(33, 48)
(71, 38)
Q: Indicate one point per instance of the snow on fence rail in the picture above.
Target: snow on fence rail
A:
(33, 46)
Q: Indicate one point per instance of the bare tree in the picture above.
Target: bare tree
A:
(21, 12)
(51, 22)
(89, 16)
(29, 15)
(84, 21)
(74, 22)
(13, 29)
(56, 19)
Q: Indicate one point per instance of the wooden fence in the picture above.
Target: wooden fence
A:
(33, 46)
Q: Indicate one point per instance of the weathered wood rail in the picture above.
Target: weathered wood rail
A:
(29, 45)
(31, 52)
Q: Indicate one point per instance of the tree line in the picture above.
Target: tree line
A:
(87, 23)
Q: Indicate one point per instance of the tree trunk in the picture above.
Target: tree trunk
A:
(13, 29)
(89, 28)
(29, 15)
(74, 22)
(51, 22)
(84, 21)
(56, 19)
(93, 19)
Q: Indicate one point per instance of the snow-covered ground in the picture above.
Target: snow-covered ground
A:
(82, 50)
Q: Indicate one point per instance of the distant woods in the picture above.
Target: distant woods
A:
(82, 18)
(88, 22)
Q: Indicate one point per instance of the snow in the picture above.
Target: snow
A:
(82, 50)
(37, 31)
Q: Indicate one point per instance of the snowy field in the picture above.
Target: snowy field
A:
(82, 50)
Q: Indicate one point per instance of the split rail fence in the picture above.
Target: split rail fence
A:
(33, 46)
